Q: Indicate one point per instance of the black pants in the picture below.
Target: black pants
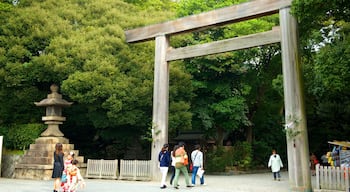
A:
(173, 174)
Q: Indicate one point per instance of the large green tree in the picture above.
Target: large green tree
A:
(325, 37)
(233, 89)
(80, 45)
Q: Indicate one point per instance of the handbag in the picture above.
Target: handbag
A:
(191, 165)
(185, 160)
(64, 178)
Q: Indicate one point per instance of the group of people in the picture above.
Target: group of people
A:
(65, 173)
(178, 160)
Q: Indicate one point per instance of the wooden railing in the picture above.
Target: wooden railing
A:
(332, 178)
(109, 169)
(135, 169)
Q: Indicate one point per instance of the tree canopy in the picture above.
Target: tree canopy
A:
(81, 47)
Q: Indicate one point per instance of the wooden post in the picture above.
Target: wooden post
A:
(160, 102)
(295, 117)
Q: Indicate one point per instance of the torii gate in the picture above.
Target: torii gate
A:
(297, 140)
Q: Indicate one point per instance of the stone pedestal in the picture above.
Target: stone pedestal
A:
(37, 162)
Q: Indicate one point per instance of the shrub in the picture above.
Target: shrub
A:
(262, 152)
(19, 137)
(215, 161)
(240, 155)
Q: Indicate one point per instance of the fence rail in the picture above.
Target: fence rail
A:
(102, 169)
(135, 169)
(129, 169)
(332, 178)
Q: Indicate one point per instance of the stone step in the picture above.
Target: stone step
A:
(51, 140)
(80, 159)
(44, 160)
(38, 153)
(50, 147)
(37, 160)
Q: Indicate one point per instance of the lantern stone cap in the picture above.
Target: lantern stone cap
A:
(53, 99)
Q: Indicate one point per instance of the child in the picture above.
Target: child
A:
(75, 177)
(67, 165)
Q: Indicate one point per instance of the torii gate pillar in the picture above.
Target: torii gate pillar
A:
(295, 117)
(160, 101)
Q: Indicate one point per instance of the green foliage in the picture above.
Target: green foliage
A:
(191, 7)
(21, 136)
(261, 152)
(5, 6)
(240, 155)
(154, 5)
(215, 161)
(332, 70)
(325, 43)
(229, 87)
(13, 152)
(80, 46)
(315, 15)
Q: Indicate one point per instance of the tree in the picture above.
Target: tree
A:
(80, 45)
(230, 88)
(325, 42)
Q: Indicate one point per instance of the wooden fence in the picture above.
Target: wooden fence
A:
(109, 169)
(332, 179)
(135, 169)
(101, 169)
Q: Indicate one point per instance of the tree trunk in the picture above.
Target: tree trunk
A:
(220, 136)
(249, 134)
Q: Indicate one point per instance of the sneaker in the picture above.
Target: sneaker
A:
(176, 187)
(190, 186)
(163, 187)
(203, 184)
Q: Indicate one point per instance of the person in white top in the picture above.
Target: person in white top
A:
(197, 161)
(275, 163)
(173, 164)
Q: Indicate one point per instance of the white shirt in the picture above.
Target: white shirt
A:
(197, 158)
(275, 163)
(172, 159)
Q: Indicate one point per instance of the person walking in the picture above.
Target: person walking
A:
(197, 162)
(75, 177)
(58, 166)
(181, 162)
(164, 163)
(173, 164)
(275, 163)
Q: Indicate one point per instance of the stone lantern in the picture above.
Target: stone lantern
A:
(54, 104)
(37, 162)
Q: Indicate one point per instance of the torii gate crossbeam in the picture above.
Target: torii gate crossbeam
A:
(297, 140)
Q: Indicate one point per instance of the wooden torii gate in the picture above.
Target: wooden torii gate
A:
(286, 33)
